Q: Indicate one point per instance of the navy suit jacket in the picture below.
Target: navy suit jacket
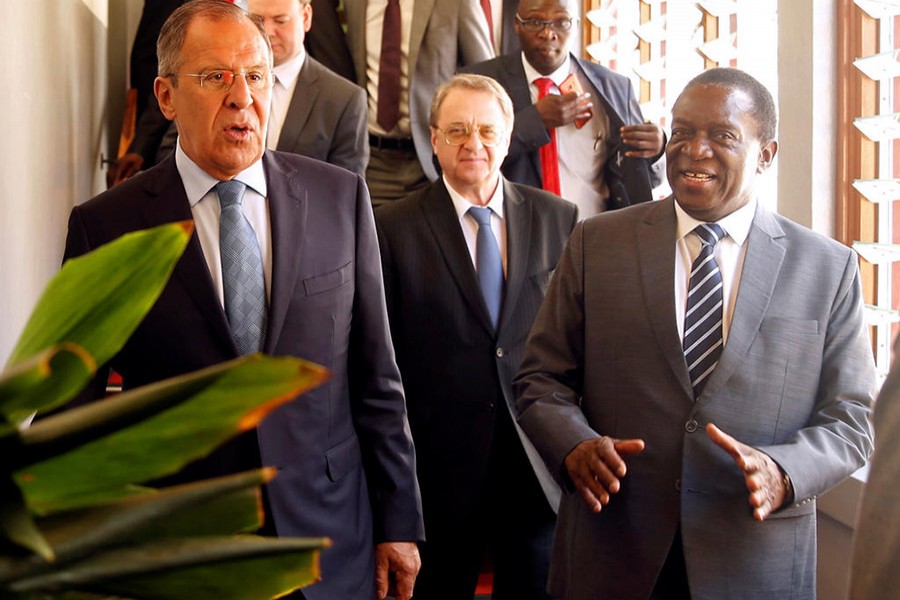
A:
(344, 453)
(457, 370)
(629, 179)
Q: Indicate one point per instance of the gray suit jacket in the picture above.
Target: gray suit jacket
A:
(795, 379)
(327, 119)
(876, 554)
(444, 35)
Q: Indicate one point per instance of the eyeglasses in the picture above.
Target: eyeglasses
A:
(222, 80)
(538, 25)
(458, 134)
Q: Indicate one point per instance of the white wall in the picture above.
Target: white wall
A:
(51, 115)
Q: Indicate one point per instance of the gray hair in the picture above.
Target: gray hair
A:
(477, 83)
(174, 30)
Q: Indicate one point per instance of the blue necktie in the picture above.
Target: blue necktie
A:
(703, 317)
(488, 263)
(242, 271)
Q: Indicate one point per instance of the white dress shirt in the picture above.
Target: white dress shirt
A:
(470, 226)
(582, 152)
(374, 25)
(730, 252)
(199, 186)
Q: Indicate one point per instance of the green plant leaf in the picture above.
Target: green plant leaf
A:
(224, 505)
(212, 568)
(163, 443)
(48, 378)
(97, 300)
(16, 522)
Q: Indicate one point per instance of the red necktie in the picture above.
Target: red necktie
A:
(549, 151)
(389, 68)
(489, 16)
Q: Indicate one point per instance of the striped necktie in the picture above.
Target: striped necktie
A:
(703, 317)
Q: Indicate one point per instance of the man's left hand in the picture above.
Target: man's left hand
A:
(763, 476)
(400, 559)
(646, 141)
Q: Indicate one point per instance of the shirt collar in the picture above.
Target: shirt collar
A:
(736, 224)
(197, 182)
(289, 70)
(557, 76)
(463, 205)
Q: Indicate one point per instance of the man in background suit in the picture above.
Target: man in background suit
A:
(435, 38)
(692, 468)
(343, 451)
(605, 149)
(315, 112)
(458, 347)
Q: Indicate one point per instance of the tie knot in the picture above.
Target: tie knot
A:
(544, 85)
(230, 193)
(481, 215)
(709, 233)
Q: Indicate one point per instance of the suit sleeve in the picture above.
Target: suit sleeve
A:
(548, 385)
(379, 408)
(474, 39)
(350, 146)
(838, 438)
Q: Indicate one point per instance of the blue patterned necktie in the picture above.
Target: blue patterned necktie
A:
(488, 263)
(242, 271)
(703, 317)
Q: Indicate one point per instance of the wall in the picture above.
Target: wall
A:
(53, 113)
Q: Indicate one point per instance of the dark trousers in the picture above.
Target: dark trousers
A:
(512, 523)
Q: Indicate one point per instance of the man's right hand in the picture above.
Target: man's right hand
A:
(595, 467)
(126, 166)
(556, 110)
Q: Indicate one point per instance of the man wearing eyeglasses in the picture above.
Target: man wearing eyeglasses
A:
(578, 131)
(284, 261)
(466, 262)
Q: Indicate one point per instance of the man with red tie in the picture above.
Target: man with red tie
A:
(578, 132)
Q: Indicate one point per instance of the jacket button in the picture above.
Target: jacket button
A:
(678, 485)
(691, 426)
(500, 352)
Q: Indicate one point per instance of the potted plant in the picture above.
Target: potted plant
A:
(75, 520)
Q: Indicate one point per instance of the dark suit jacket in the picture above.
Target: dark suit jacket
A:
(795, 379)
(327, 119)
(456, 369)
(509, 39)
(628, 179)
(343, 450)
(326, 41)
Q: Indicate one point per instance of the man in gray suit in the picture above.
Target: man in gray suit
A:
(315, 112)
(694, 469)
(434, 39)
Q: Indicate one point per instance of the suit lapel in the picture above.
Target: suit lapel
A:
(762, 263)
(166, 203)
(288, 197)
(305, 93)
(421, 13)
(518, 243)
(444, 224)
(517, 86)
(656, 256)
